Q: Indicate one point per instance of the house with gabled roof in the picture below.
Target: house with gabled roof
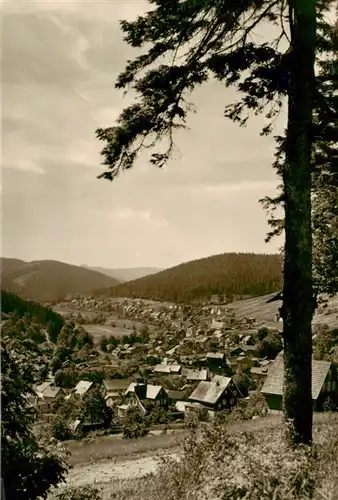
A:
(218, 394)
(147, 393)
(216, 361)
(166, 368)
(46, 394)
(114, 388)
(83, 387)
(324, 383)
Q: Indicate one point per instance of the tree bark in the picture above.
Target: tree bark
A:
(3, 494)
(298, 305)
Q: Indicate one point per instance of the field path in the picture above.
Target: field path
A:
(108, 471)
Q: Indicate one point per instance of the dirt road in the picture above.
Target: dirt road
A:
(112, 470)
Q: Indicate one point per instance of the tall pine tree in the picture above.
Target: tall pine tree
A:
(324, 162)
(200, 39)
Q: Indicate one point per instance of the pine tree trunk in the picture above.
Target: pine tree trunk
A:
(298, 304)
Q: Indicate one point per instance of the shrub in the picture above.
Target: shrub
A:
(60, 429)
(262, 333)
(329, 405)
(157, 415)
(243, 381)
(246, 409)
(95, 410)
(81, 493)
(325, 343)
(103, 344)
(134, 424)
(95, 376)
(241, 466)
(191, 420)
(67, 378)
(270, 346)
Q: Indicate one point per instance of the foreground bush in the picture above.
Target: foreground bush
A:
(134, 424)
(28, 469)
(221, 466)
(216, 465)
(81, 493)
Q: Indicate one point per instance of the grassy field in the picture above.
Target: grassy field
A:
(99, 331)
(112, 447)
(122, 327)
(259, 309)
(250, 454)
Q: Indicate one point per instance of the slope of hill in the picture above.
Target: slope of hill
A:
(48, 280)
(258, 308)
(231, 274)
(11, 303)
(128, 273)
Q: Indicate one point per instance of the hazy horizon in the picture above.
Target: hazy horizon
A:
(123, 267)
(60, 62)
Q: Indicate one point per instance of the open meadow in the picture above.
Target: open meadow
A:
(139, 469)
(259, 309)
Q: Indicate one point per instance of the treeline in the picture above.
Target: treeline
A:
(13, 304)
(227, 274)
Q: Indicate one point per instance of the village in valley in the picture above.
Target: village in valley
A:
(172, 365)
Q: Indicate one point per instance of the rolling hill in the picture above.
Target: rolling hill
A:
(126, 274)
(231, 274)
(49, 280)
(259, 308)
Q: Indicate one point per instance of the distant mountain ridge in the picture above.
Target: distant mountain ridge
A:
(233, 274)
(128, 273)
(49, 280)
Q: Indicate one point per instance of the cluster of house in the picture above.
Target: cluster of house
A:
(157, 314)
(201, 388)
(213, 392)
(191, 346)
(184, 343)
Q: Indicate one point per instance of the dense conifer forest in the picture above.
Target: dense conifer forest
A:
(231, 274)
(11, 303)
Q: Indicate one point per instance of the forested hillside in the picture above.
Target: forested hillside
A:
(230, 274)
(11, 303)
(48, 280)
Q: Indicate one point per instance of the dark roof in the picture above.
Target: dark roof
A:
(176, 395)
(274, 381)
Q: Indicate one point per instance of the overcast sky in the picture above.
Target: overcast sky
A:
(60, 62)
